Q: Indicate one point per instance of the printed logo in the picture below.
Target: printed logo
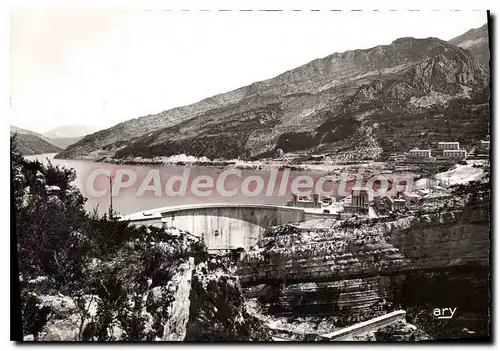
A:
(444, 313)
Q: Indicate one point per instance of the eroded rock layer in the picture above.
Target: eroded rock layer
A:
(360, 270)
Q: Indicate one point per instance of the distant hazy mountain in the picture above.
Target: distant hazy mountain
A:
(477, 42)
(14, 129)
(65, 142)
(31, 143)
(359, 104)
(71, 131)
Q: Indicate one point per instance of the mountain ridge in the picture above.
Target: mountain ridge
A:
(299, 100)
(475, 40)
(32, 143)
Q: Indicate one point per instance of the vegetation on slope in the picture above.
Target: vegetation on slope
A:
(32, 144)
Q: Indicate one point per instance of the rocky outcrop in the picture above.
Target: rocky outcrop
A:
(318, 107)
(218, 311)
(362, 270)
(156, 291)
(175, 326)
(375, 249)
(399, 331)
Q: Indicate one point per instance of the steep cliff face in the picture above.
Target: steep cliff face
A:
(218, 311)
(354, 273)
(337, 105)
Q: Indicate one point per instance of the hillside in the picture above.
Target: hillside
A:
(351, 105)
(477, 42)
(14, 129)
(31, 143)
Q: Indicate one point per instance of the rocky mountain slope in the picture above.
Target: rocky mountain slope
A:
(477, 42)
(31, 143)
(351, 105)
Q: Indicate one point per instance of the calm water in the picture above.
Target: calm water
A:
(127, 201)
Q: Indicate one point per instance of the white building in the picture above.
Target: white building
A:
(448, 145)
(485, 145)
(399, 204)
(461, 154)
(420, 153)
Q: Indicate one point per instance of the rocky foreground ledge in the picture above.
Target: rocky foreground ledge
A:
(169, 290)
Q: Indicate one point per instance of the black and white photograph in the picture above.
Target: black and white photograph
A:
(250, 175)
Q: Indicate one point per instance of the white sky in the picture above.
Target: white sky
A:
(102, 67)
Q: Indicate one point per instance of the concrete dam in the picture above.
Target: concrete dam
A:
(222, 226)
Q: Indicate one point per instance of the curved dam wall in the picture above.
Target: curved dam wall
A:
(222, 226)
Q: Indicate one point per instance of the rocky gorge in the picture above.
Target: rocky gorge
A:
(352, 272)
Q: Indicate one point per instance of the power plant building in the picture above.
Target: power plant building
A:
(305, 202)
(398, 204)
(485, 145)
(459, 154)
(359, 201)
(417, 153)
(448, 145)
